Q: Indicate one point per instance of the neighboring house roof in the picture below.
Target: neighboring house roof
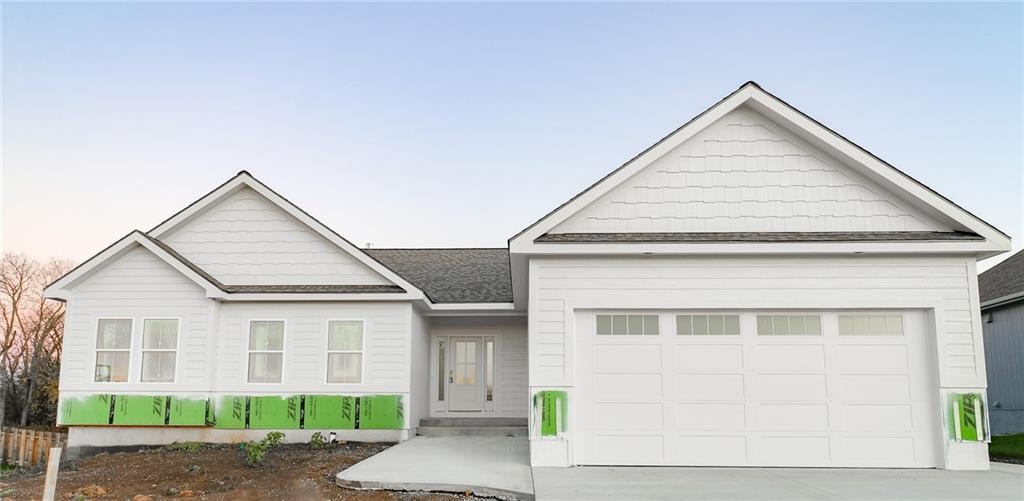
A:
(1004, 282)
(453, 275)
(875, 236)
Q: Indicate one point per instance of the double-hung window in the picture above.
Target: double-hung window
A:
(266, 351)
(159, 349)
(113, 349)
(345, 351)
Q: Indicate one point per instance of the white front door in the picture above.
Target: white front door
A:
(465, 374)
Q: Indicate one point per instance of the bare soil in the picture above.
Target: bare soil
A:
(290, 472)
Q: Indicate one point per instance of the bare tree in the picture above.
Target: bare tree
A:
(32, 329)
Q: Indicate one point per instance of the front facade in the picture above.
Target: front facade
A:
(752, 290)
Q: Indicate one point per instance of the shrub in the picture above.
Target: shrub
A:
(256, 452)
(183, 446)
(317, 441)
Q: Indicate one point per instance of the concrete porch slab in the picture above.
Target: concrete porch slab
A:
(487, 466)
(1002, 482)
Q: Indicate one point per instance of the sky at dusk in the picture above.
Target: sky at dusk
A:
(415, 125)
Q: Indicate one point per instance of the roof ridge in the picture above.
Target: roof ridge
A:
(433, 248)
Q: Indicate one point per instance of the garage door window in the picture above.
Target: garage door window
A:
(707, 325)
(627, 325)
(788, 325)
(871, 324)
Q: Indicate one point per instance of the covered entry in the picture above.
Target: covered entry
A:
(755, 388)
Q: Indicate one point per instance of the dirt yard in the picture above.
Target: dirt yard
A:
(291, 472)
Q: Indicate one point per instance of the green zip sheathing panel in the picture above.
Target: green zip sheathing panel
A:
(381, 412)
(140, 410)
(274, 413)
(554, 412)
(967, 415)
(329, 412)
(187, 412)
(230, 412)
(84, 410)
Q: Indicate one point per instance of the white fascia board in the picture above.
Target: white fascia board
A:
(738, 248)
(245, 179)
(63, 288)
(475, 309)
(312, 297)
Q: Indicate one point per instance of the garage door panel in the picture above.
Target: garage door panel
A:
(791, 417)
(622, 386)
(875, 417)
(789, 357)
(825, 400)
(628, 416)
(709, 416)
(772, 450)
(708, 357)
(872, 357)
(874, 388)
(702, 450)
(788, 387)
(627, 357)
(875, 451)
(707, 387)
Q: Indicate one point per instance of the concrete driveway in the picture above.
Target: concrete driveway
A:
(1003, 482)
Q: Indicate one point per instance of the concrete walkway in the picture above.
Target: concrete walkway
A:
(1003, 482)
(487, 466)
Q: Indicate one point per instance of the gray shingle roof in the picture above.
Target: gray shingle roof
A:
(453, 275)
(865, 236)
(1003, 279)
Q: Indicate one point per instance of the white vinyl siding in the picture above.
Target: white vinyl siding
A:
(159, 350)
(113, 350)
(345, 351)
(745, 173)
(246, 239)
(266, 351)
(138, 285)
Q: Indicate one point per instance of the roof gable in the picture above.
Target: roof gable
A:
(746, 174)
(901, 199)
(245, 234)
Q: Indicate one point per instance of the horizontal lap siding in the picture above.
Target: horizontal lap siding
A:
(138, 285)
(512, 380)
(386, 341)
(559, 285)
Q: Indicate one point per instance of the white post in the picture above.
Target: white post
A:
(50, 488)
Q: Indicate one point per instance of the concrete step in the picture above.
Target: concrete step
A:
(472, 431)
(473, 422)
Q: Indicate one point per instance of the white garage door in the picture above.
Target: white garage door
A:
(755, 389)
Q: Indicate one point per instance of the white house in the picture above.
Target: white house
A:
(751, 290)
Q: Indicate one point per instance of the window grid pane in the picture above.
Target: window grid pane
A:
(870, 324)
(158, 366)
(265, 367)
(789, 325)
(114, 334)
(111, 367)
(344, 367)
(707, 325)
(266, 335)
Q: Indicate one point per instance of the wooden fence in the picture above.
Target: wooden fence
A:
(25, 447)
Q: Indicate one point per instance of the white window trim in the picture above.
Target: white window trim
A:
(96, 349)
(328, 352)
(143, 350)
(284, 345)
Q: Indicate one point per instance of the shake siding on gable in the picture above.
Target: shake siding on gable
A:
(746, 174)
(138, 285)
(559, 286)
(247, 240)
